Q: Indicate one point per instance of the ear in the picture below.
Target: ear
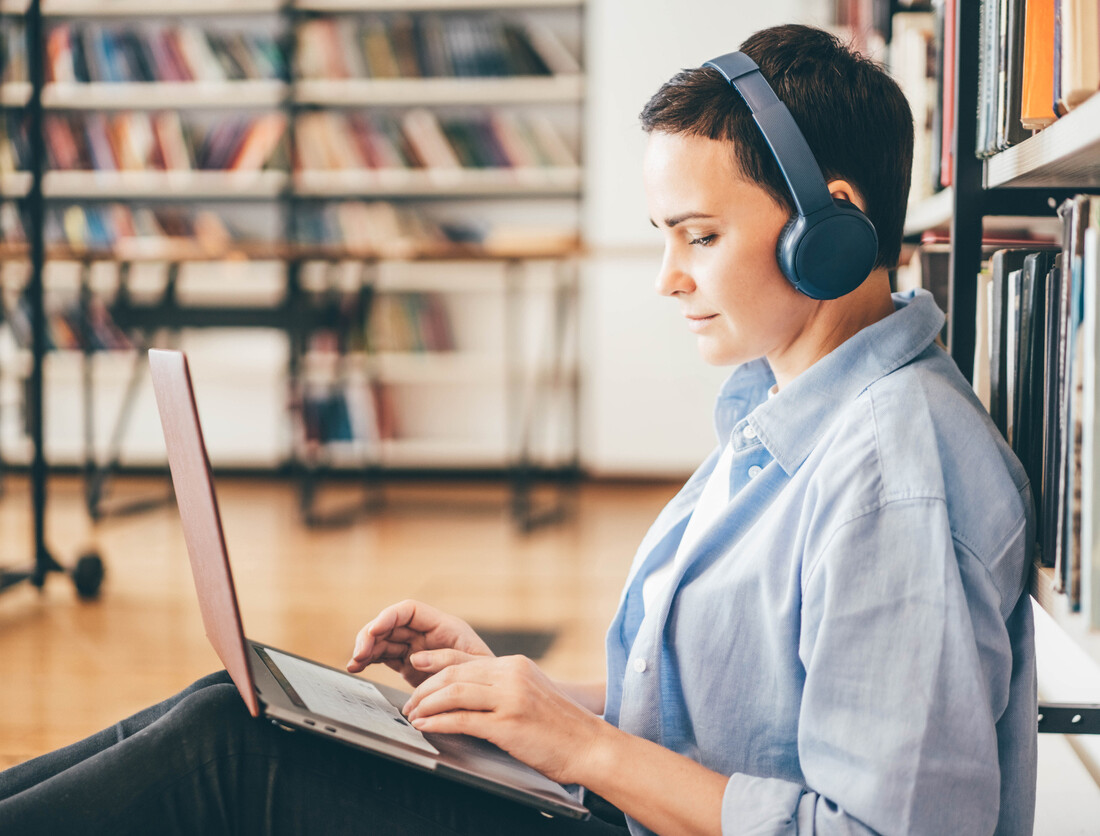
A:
(845, 191)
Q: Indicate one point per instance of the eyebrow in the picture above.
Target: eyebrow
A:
(678, 219)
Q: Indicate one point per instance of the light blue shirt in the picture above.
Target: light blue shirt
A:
(851, 641)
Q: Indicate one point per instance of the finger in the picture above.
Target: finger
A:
(477, 671)
(382, 623)
(433, 661)
(379, 651)
(412, 614)
(458, 696)
(473, 723)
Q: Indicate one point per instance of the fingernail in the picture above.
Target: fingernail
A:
(421, 659)
(405, 707)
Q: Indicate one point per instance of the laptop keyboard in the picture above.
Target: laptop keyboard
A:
(347, 699)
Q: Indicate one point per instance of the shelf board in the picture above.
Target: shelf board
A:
(438, 182)
(436, 366)
(163, 184)
(430, 5)
(164, 94)
(15, 94)
(15, 185)
(140, 8)
(406, 92)
(436, 453)
(1065, 155)
(1075, 624)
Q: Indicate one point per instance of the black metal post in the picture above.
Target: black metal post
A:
(966, 219)
(36, 217)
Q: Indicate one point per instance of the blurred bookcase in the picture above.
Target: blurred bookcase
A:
(392, 188)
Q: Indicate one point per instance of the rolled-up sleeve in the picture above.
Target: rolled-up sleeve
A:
(908, 665)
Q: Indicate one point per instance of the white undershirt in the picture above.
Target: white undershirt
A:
(714, 498)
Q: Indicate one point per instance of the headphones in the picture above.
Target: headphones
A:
(829, 247)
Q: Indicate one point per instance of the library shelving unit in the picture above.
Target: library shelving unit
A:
(506, 277)
(481, 402)
(1028, 180)
(88, 571)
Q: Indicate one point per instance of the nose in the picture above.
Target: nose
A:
(672, 278)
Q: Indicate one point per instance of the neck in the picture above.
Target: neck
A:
(832, 323)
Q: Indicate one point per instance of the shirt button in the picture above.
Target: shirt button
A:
(748, 432)
(639, 665)
(754, 471)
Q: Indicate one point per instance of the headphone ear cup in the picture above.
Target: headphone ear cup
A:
(787, 246)
(829, 253)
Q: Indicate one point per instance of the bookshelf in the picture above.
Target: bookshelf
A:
(1063, 156)
(510, 196)
(1029, 180)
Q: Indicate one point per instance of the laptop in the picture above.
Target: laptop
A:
(299, 694)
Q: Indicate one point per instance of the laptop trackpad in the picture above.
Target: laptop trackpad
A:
(346, 699)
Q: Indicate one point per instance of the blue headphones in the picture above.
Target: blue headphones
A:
(829, 247)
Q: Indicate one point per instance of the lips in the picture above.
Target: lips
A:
(698, 323)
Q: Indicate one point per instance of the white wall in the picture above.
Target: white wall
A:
(647, 397)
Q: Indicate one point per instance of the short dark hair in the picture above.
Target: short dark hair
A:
(854, 116)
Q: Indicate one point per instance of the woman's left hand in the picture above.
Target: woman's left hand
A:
(512, 704)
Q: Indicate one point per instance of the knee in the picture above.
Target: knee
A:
(214, 705)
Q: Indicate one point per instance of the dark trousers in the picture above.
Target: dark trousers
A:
(199, 764)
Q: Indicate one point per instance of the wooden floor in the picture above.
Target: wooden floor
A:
(68, 668)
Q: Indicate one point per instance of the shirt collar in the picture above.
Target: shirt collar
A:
(790, 424)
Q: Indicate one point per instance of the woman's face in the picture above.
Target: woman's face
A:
(719, 262)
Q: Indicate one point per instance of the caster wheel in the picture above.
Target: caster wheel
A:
(88, 575)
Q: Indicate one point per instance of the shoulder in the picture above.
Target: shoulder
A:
(920, 434)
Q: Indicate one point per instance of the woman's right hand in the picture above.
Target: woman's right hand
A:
(416, 640)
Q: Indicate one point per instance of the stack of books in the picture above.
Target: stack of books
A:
(71, 328)
(14, 147)
(349, 411)
(12, 228)
(127, 231)
(182, 53)
(421, 139)
(138, 141)
(410, 322)
(13, 53)
(1039, 361)
(1038, 61)
(429, 46)
(377, 228)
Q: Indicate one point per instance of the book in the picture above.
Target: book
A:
(1003, 344)
(1080, 52)
(1090, 422)
(947, 86)
(1037, 83)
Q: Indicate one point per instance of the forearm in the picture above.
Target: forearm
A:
(665, 791)
(591, 695)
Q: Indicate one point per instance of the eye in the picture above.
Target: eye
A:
(704, 241)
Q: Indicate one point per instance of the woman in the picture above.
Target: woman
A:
(827, 630)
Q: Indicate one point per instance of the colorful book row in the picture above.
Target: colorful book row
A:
(71, 328)
(181, 53)
(13, 53)
(429, 46)
(138, 141)
(356, 410)
(420, 139)
(1039, 316)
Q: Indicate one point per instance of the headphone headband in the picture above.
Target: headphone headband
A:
(780, 131)
(828, 247)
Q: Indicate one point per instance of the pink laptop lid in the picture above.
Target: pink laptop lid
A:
(202, 526)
